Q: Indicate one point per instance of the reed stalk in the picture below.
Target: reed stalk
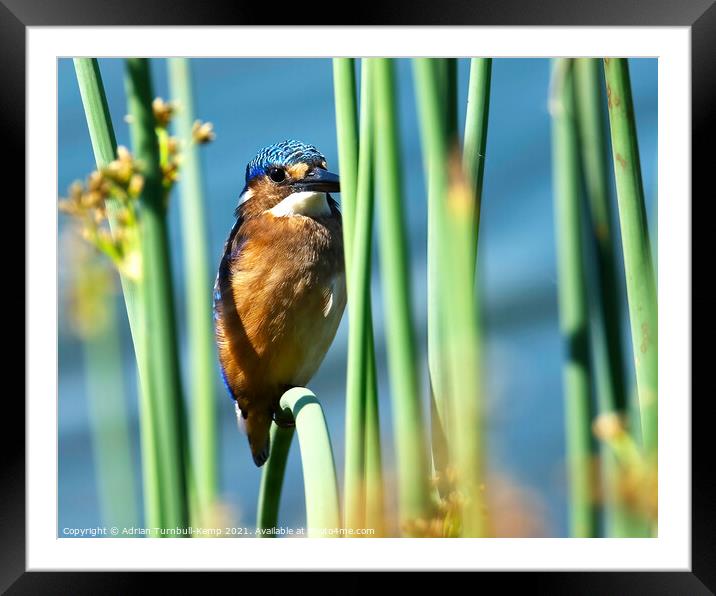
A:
(606, 324)
(344, 87)
(464, 208)
(374, 483)
(319, 472)
(348, 155)
(272, 481)
(465, 349)
(104, 146)
(475, 137)
(200, 335)
(409, 432)
(94, 101)
(363, 492)
(358, 299)
(593, 152)
(573, 311)
(451, 205)
(160, 341)
(361, 358)
(450, 92)
(428, 73)
(109, 419)
(638, 264)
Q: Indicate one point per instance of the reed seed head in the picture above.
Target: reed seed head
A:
(163, 112)
(202, 132)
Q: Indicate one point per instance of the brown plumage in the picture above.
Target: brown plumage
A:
(279, 298)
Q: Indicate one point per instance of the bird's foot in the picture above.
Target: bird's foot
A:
(283, 419)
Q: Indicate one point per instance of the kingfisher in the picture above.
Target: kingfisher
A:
(280, 290)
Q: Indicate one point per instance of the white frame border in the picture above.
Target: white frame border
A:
(670, 551)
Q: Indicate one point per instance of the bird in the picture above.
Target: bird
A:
(280, 289)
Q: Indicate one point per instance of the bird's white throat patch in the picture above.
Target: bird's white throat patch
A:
(245, 197)
(308, 203)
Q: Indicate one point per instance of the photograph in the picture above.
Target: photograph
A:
(358, 297)
(420, 282)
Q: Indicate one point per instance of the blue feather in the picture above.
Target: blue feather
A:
(222, 284)
(285, 153)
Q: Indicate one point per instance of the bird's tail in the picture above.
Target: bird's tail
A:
(258, 426)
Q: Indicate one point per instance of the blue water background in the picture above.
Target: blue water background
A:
(255, 102)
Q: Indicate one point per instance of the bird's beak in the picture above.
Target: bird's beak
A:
(319, 180)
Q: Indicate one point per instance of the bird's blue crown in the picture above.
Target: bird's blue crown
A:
(285, 153)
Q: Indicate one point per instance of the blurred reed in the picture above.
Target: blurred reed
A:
(606, 320)
(464, 345)
(200, 333)
(161, 346)
(573, 309)
(475, 137)
(464, 205)
(627, 492)
(429, 73)
(639, 477)
(355, 423)
(363, 492)
(361, 274)
(638, 264)
(344, 90)
(109, 423)
(95, 321)
(408, 425)
(454, 335)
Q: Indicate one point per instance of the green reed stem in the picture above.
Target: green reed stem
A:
(197, 280)
(475, 138)
(464, 348)
(344, 85)
(109, 419)
(104, 146)
(374, 495)
(400, 336)
(593, 150)
(272, 481)
(374, 484)
(319, 472)
(347, 134)
(161, 339)
(455, 304)
(358, 299)
(94, 100)
(450, 108)
(464, 223)
(573, 312)
(638, 265)
(360, 348)
(606, 326)
(427, 72)
(363, 491)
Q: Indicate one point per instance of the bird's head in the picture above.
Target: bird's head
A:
(287, 178)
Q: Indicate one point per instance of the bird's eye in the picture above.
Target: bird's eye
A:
(277, 174)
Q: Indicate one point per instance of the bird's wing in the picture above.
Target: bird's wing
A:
(224, 305)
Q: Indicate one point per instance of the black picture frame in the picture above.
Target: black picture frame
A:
(699, 15)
